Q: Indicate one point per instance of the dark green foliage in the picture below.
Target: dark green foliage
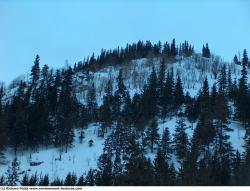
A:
(104, 174)
(223, 146)
(168, 92)
(161, 169)
(33, 180)
(236, 168)
(35, 71)
(138, 170)
(17, 119)
(165, 144)
(236, 60)
(206, 51)
(173, 49)
(149, 97)
(44, 181)
(223, 81)
(3, 130)
(178, 93)
(67, 102)
(160, 86)
(204, 130)
(106, 109)
(186, 49)
(70, 180)
(180, 138)
(13, 173)
(91, 104)
(2, 181)
(242, 98)
(192, 110)
(90, 178)
(57, 182)
(229, 84)
(44, 111)
(152, 134)
(80, 181)
(25, 180)
(134, 51)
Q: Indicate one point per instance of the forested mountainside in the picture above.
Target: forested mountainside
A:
(146, 114)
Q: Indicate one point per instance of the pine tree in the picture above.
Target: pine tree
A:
(236, 61)
(213, 97)
(178, 93)
(117, 169)
(168, 92)
(204, 130)
(206, 51)
(165, 144)
(180, 138)
(66, 111)
(245, 180)
(192, 110)
(13, 173)
(90, 178)
(25, 180)
(234, 92)
(80, 181)
(83, 122)
(173, 49)
(172, 175)
(166, 49)
(222, 145)
(2, 181)
(106, 109)
(104, 173)
(33, 180)
(204, 96)
(243, 91)
(223, 81)
(160, 87)
(161, 174)
(44, 181)
(17, 118)
(120, 96)
(138, 171)
(70, 179)
(150, 96)
(229, 83)
(127, 112)
(236, 168)
(226, 171)
(57, 182)
(35, 71)
(203, 172)
(3, 131)
(91, 104)
(189, 164)
(152, 134)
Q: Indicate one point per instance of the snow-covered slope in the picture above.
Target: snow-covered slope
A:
(192, 71)
(81, 157)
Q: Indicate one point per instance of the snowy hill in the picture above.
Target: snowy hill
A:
(82, 157)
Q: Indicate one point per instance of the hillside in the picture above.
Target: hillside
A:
(141, 101)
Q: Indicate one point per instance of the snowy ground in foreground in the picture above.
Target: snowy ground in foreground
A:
(80, 158)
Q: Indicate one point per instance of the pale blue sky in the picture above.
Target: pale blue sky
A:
(73, 29)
